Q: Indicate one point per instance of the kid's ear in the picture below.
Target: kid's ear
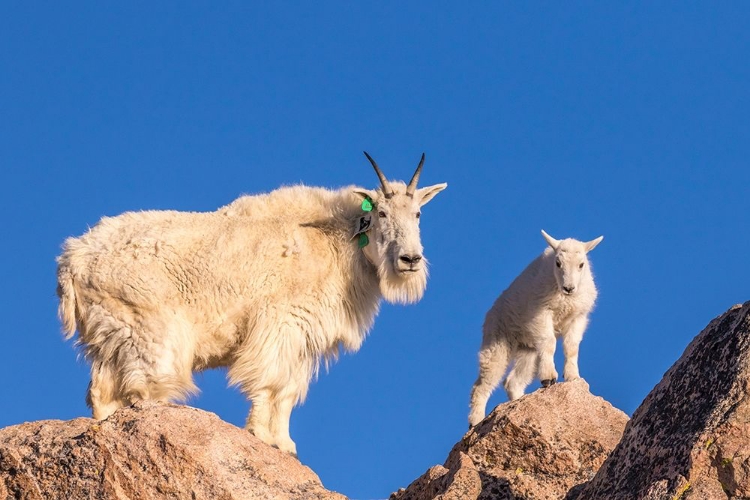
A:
(425, 194)
(590, 245)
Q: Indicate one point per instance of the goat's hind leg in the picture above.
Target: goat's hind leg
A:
(141, 365)
(102, 395)
(493, 360)
(522, 373)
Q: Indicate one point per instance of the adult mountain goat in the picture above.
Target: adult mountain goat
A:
(551, 298)
(268, 286)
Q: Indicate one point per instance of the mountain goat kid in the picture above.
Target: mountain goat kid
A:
(268, 286)
(551, 298)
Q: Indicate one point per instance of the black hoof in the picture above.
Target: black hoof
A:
(548, 382)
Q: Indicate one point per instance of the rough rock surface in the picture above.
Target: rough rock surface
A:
(538, 447)
(149, 451)
(690, 438)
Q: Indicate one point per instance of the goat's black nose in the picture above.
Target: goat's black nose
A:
(410, 259)
(568, 289)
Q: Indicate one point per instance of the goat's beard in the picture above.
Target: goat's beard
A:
(399, 287)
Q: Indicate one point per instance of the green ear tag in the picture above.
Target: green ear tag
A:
(363, 240)
(367, 205)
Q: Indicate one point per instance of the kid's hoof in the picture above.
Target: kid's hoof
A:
(548, 382)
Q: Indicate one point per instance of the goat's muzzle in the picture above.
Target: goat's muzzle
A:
(409, 263)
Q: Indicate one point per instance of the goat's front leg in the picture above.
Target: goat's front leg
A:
(543, 333)
(571, 340)
(259, 420)
(281, 411)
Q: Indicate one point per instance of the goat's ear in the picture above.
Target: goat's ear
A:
(550, 240)
(590, 245)
(425, 194)
(365, 193)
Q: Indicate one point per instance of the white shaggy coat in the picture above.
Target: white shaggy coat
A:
(550, 299)
(267, 286)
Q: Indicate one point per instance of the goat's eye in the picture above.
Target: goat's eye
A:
(419, 214)
(580, 266)
(558, 263)
(381, 214)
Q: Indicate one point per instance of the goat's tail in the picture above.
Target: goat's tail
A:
(66, 292)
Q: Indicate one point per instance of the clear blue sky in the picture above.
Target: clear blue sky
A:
(584, 118)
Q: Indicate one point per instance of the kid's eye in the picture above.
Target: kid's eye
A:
(419, 214)
(381, 214)
(557, 263)
(580, 266)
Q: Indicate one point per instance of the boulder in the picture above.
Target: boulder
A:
(540, 446)
(690, 438)
(148, 451)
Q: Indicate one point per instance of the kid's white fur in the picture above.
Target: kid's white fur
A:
(550, 299)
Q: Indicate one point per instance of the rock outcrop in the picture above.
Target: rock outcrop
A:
(690, 438)
(148, 451)
(541, 446)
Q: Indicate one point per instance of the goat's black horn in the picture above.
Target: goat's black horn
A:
(415, 178)
(387, 192)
